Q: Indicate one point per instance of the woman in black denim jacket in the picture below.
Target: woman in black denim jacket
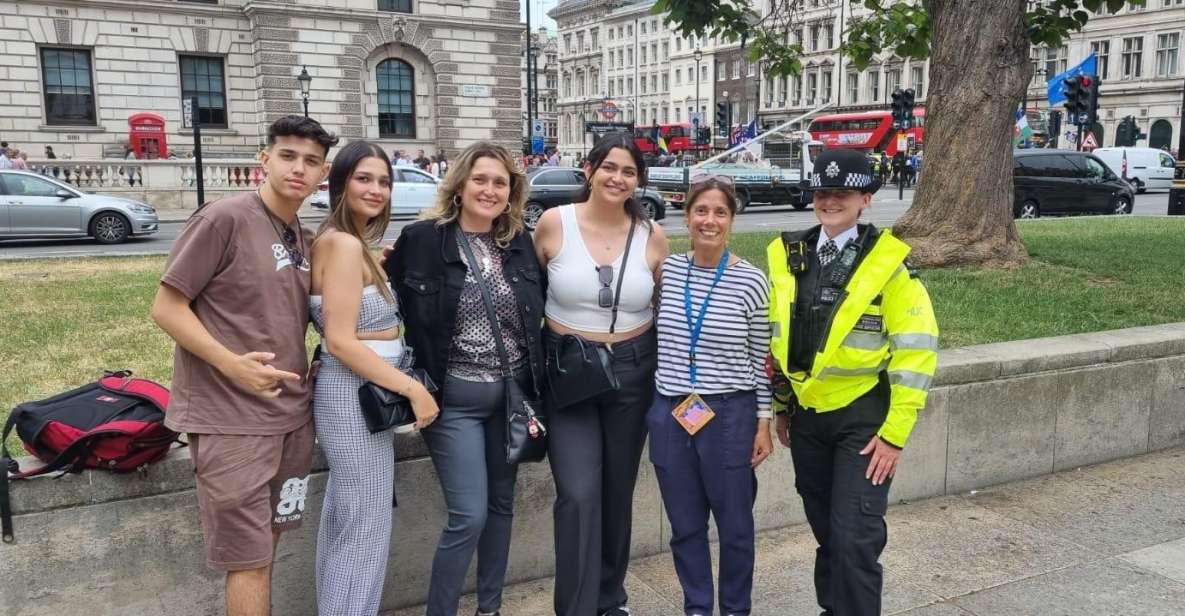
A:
(448, 328)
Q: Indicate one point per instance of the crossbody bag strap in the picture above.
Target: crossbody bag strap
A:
(625, 258)
(488, 300)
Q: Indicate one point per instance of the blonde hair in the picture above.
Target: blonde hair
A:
(509, 223)
(340, 218)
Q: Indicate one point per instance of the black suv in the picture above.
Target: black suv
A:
(1066, 182)
(552, 186)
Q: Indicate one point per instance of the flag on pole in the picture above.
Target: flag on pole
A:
(662, 145)
(1021, 133)
(1057, 90)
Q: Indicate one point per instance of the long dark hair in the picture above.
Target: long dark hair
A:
(598, 155)
(339, 219)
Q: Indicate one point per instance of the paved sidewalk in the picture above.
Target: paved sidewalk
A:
(1106, 540)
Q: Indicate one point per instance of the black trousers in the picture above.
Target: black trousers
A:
(595, 448)
(846, 512)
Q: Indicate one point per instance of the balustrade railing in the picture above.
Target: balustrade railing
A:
(148, 175)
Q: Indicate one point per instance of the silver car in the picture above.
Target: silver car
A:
(412, 190)
(35, 206)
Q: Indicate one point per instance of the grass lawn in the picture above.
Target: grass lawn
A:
(64, 321)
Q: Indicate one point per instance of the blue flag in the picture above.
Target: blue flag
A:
(1057, 89)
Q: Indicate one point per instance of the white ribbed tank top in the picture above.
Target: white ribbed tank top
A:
(572, 284)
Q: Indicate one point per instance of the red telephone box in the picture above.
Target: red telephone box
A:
(148, 136)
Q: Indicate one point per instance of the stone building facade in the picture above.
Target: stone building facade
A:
(547, 80)
(412, 74)
(601, 44)
(1141, 67)
(580, 64)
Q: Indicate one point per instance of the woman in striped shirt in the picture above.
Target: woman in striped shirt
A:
(709, 424)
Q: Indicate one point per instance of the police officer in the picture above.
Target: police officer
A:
(854, 348)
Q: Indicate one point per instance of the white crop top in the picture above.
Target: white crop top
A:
(573, 286)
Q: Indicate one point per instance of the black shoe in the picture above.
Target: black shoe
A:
(620, 610)
(478, 613)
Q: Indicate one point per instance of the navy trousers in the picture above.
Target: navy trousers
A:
(708, 473)
(846, 512)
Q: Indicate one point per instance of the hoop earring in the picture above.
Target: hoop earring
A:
(457, 201)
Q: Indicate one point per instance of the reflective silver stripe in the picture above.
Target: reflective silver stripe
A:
(826, 372)
(909, 378)
(869, 341)
(924, 342)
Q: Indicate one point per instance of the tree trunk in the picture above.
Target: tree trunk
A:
(979, 68)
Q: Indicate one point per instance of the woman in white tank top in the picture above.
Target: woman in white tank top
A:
(595, 444)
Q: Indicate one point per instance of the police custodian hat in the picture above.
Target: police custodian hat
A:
(843, 169)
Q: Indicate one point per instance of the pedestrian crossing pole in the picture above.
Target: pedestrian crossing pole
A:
(1177, 192)
(191, 118)
(899, 162)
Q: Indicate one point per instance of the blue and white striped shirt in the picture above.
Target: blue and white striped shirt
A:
(734, 341)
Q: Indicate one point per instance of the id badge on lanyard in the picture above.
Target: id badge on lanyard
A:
(693, 413)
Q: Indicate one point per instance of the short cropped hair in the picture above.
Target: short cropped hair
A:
(300, 126)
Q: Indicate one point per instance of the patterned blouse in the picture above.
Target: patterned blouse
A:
(473, 356)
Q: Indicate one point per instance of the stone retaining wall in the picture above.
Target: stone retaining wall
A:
(97, 543)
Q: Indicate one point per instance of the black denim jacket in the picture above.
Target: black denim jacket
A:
(427, 274)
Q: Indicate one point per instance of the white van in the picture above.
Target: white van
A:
(1147, 168)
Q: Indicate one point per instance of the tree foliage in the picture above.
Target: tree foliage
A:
(887, 26)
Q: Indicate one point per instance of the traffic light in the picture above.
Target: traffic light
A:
(1092, 99)
(898, 106)
(1082, 99)
(907, 112)
(721, 116)
(902, 106)
(1128, 132)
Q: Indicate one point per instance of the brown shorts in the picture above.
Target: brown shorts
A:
(248, 487)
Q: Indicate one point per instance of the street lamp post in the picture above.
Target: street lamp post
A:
(699, 54)
(305, 80)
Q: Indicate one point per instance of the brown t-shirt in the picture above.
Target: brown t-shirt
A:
(231, 262)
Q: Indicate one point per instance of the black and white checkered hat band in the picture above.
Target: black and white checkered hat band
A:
(851, 180)
(857, 180)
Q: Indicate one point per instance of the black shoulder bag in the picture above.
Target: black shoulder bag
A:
(579, 369)
(526, 435)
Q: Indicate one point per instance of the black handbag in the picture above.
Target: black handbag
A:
(579, 369)
(526, 434)
(384, 409)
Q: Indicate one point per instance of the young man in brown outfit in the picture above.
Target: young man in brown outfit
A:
(234, 297)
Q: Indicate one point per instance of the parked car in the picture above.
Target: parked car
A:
(552, 186)
(1147, 168)
(35, 206)
(1066, 182)
(412, 190)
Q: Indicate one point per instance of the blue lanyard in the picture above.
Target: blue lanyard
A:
(697, 326)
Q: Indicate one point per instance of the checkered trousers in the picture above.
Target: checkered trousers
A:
(355, 533)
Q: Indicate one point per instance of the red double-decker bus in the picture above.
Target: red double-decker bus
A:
(679, 137)
(871, 131)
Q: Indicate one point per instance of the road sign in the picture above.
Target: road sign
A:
(695, 118)
(609, 110)
(1083, 118)
(187, 113)
(537, 146)
(1089, 142)
(537, 127)
(475, 90)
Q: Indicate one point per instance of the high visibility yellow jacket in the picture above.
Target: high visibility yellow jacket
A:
(849, 361)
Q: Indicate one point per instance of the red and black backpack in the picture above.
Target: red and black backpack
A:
(115, 424)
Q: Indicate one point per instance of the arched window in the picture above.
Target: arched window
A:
(397, 107)
(1161, 134)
